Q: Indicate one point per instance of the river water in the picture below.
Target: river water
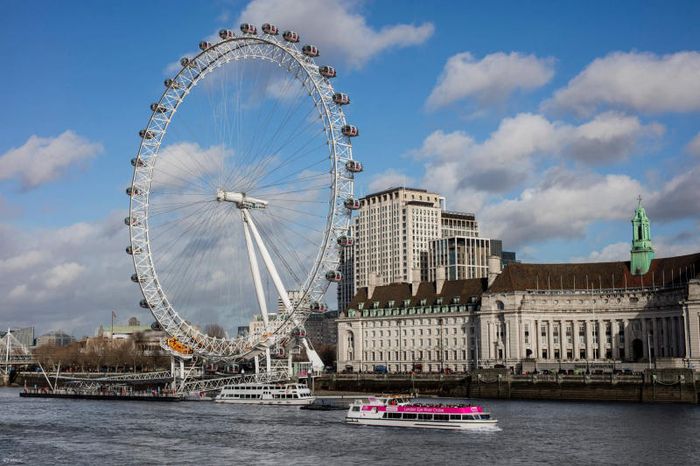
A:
(50, 431)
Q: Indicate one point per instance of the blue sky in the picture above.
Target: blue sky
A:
(547, 119)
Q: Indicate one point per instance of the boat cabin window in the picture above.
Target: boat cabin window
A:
(455, 417)
(485, 416)
(467, 417)
(425, 417)
(409, 415)
(441, 417)
(355, 409)
(394, 415)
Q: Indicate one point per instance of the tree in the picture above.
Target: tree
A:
(215, 330)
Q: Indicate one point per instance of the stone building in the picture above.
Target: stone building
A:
(419, 326)
(402, 234)
(321, 329)
(571, 316)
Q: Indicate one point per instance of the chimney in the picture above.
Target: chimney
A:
(372, 281)
(439, 279)
(494, 268)
(415, 281)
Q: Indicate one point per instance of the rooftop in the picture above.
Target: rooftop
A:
(668, 271)
(399, 292)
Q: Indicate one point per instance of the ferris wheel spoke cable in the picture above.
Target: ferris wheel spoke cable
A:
(311, 189)
(267, 118)
(294, 134)
(269, 141)
(189, 280)
(300, 212)
(263, 146)
(168, 244)
(170, 225)
(254, 88)
(305, 227)
(273, 246)
(280, 181)
(249, 170)
(293, 157)
(292, 250)
(201, 247)
(167, 209)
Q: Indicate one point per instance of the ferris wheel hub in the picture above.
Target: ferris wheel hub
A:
(240, 199)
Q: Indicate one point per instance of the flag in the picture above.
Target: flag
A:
(114, 314)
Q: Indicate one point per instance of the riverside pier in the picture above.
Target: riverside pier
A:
(650, 386)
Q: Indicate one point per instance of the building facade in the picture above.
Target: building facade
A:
(460, 256)
(321, 328)
(393, 238)
(419, 326)
(533, 316)
(55, 338)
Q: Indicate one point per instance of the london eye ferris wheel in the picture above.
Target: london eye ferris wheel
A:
(242, 191)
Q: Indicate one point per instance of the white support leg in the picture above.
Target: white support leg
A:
(257, 364)
(268, 362)
(268, 262)
(255, 270)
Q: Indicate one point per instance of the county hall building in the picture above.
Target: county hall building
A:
(530, 316)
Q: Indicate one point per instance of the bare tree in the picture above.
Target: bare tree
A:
(215, 330)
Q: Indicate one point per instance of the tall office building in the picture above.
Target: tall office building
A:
(393, 232)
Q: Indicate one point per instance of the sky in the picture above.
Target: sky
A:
(546, 119)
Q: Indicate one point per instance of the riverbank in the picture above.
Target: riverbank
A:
(651, 386)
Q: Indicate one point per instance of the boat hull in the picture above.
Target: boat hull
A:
(288, 402)
(444, 425)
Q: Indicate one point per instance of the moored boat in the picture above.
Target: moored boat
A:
(266, 394)
(402, 412)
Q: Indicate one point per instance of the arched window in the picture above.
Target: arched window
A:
(500, 306)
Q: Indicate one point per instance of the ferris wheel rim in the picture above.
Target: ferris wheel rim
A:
(337, 219)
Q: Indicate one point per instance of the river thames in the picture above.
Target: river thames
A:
(51, 431)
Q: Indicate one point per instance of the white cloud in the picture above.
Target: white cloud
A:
(664, 246)
(22, 261)
(693, 146)
(490, 79)
(40, 160)
(63, 274)
(389, 179)
(187, 164)
(609, 137)
(562, 205)
(339, 31)
(643, 82)
(506, 159)
(677, 198)
(611, 253)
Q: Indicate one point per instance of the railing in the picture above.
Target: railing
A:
(208, 385)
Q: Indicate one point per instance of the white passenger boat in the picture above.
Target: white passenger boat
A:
(266, 394)
(401, 412)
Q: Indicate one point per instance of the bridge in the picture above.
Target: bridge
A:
(184, 381)
(13, 353)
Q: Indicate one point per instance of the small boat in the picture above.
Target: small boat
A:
(402, 412)
(324, 405)
(266, 394)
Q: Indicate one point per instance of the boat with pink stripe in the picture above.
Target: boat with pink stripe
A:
(396, 411)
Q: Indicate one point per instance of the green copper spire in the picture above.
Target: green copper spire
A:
(642, 252)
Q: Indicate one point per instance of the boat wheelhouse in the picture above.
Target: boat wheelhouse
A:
(401, 412)
(266, 394)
